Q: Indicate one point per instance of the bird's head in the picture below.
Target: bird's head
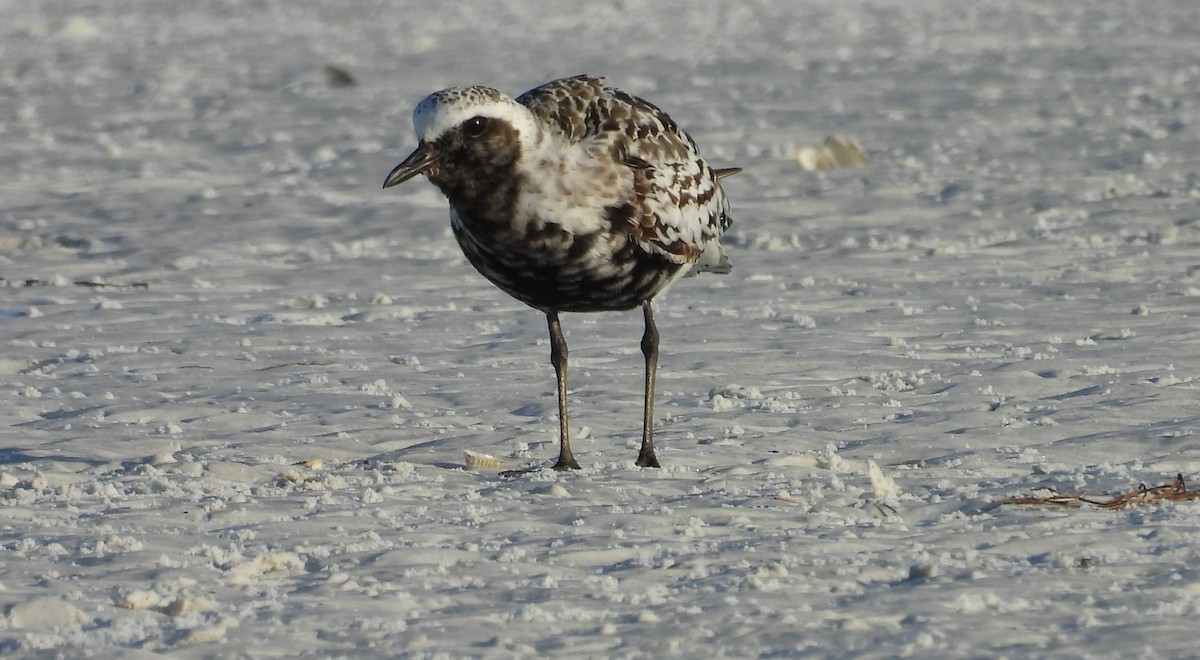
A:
(468, 138)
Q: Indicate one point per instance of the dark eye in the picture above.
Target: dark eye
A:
(475, 126)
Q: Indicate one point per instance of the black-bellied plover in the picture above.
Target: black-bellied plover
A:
(573, 197)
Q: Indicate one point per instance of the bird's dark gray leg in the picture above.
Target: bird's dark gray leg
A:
(646, 457)
(558, 356)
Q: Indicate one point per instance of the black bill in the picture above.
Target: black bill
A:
(418, 162)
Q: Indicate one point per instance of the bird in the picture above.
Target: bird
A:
(573, 197)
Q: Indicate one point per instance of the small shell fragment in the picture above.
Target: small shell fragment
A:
(838, 152)
(478, 461)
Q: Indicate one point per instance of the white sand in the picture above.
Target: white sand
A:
(1003, 301)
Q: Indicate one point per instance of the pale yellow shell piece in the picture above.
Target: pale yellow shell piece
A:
(478, 461)
(838, 152)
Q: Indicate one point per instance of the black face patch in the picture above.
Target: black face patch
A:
(478, 157)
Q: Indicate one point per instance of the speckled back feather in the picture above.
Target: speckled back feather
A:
(676, 207)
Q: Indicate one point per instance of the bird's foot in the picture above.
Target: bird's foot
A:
(647, 459)
(567, 462)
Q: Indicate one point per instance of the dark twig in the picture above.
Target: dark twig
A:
(1173, 492)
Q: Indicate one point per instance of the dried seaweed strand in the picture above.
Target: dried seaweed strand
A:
(1173, 492)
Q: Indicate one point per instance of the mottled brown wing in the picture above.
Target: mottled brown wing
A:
(674, 205)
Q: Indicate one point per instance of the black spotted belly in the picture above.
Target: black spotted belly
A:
(569, 278)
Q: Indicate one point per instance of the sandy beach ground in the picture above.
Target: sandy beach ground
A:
(237, 378)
